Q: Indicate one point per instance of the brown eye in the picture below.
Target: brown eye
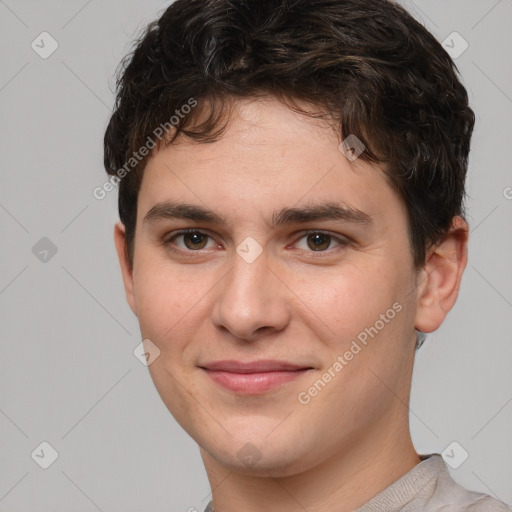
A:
(195, 240)
(319, 241)
(189, 240)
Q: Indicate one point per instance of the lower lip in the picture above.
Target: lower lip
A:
(252, 383)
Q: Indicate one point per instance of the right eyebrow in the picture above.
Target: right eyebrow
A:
(174, 210)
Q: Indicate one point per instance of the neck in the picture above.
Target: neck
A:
(341, 482)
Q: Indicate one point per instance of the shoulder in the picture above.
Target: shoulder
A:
(488, 504)
(469, 501)
(452, 497)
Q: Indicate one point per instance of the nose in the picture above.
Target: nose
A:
(251, 300)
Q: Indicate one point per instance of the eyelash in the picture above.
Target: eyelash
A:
(168, 243)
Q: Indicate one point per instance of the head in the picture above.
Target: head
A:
(235, 120)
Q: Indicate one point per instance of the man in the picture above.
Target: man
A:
(291, 194)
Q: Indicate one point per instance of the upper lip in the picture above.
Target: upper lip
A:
(266, 365)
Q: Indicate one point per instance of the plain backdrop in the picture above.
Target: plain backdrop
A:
(68, 375)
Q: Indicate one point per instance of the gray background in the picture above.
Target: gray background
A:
(68, 375)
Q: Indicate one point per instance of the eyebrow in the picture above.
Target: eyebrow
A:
(175, 210)
(319, 212)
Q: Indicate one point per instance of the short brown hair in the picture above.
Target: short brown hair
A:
(367, 64)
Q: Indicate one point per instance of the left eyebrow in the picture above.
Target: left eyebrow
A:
(321, 212)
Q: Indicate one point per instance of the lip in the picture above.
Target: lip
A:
(253, 377)
(264, 365)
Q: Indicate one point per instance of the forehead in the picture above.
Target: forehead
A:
(269, 157)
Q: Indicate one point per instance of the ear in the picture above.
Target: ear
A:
(126, 268)
(439, 280)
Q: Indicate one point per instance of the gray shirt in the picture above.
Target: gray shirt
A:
(428, 487)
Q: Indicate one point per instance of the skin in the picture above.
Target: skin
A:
(293, 303)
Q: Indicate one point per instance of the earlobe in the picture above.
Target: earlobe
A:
(439, 282)
(126, 268)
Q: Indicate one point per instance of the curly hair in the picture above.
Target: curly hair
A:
(366, 64)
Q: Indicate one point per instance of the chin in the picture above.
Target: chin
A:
(257, 456)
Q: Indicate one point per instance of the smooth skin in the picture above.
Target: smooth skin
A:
(199, 301)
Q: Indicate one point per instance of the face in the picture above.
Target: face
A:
(304, 260)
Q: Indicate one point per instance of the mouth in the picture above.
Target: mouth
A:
(253, 377)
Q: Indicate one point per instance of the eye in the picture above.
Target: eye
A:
(192, 240)
(319, 241)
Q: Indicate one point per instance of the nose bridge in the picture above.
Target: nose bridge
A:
(250, 297)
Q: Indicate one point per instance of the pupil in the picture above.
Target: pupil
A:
(320, 241)
(194, 239)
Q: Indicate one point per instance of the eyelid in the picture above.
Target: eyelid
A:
(343, 241)
(184, 231)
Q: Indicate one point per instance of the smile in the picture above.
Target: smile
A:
(253, 378)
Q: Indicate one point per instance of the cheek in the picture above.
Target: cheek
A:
(173, 302)
(164, 298)
(348, 299)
